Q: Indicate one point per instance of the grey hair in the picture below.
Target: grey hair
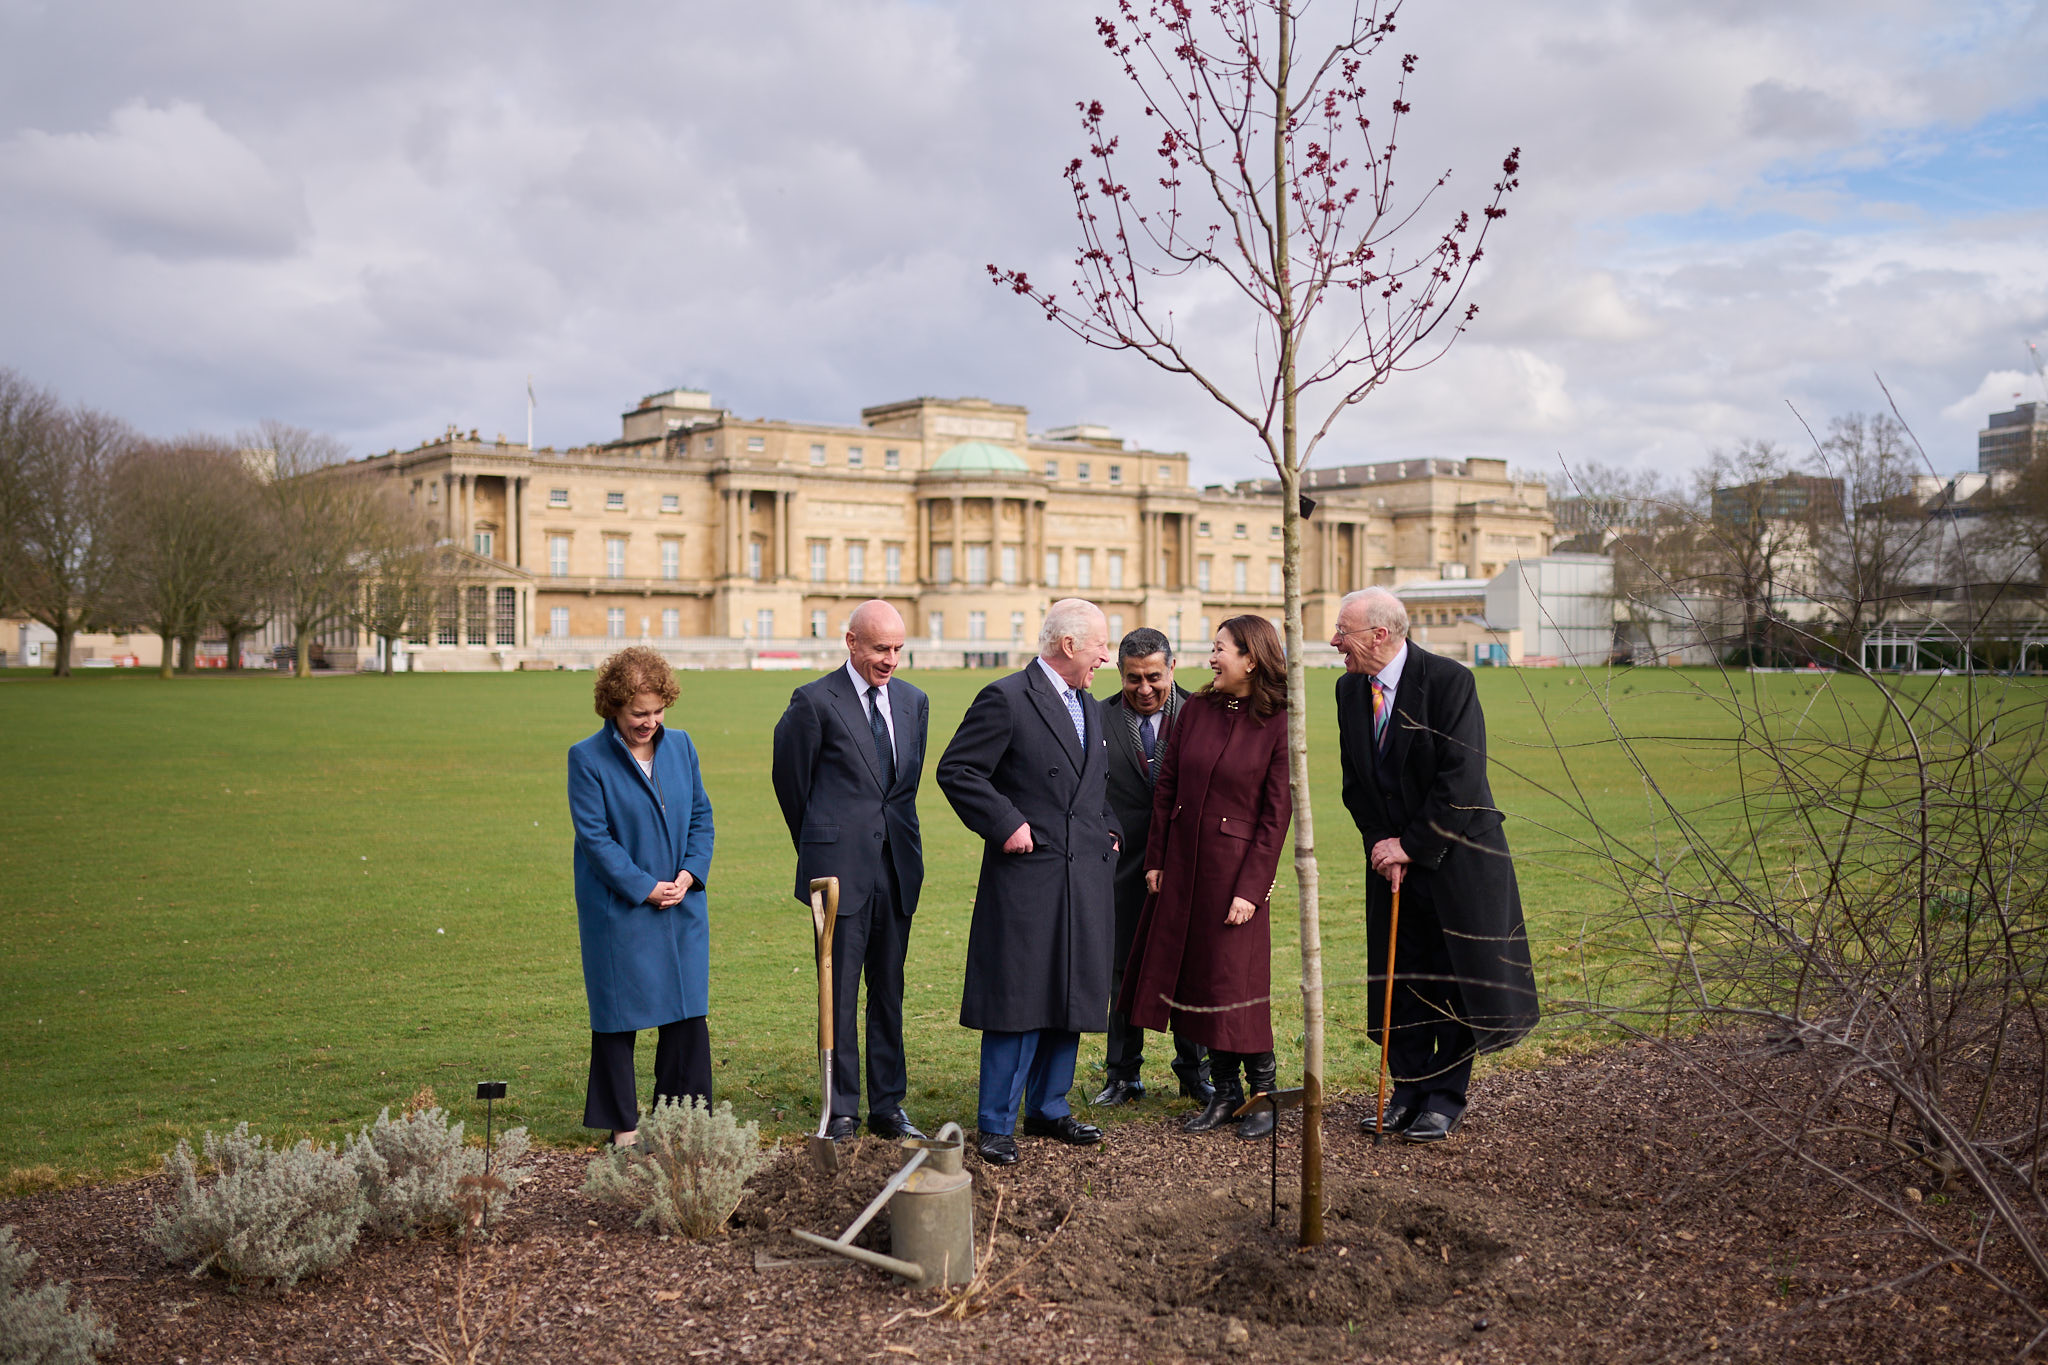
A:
(1073, 616)
(1143, 643)
(1381, 608)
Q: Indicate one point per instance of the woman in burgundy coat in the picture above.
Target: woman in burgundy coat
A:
(1219, 817)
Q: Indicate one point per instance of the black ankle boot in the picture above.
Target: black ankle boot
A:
(1261, 1075)
(1227, 1095)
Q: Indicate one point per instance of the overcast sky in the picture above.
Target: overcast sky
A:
(376, 218)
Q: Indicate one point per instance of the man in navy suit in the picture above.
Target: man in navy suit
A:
(1027, 771)
(848, 755)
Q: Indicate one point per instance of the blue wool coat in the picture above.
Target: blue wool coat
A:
(642, 967)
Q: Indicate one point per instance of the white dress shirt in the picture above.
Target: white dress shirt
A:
(860, 686)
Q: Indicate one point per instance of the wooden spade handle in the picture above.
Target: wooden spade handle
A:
(824, 919)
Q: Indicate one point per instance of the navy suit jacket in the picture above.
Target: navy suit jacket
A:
(828, 780)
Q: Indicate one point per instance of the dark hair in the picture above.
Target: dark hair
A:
(1260, 643)
(630, 672)
(1143, 643)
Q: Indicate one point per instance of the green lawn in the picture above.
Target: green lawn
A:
(296, 902)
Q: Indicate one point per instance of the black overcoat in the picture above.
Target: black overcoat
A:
(828, 781)
(1130, 796)
(1436, 747)
(1038, 950)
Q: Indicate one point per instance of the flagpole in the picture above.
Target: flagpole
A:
(529, 414)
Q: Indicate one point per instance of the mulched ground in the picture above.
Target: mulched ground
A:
(1599, 1208)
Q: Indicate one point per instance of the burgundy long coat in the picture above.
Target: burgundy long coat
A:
(1219, 818)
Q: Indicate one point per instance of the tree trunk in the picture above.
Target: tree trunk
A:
(390, 650)
(1305, 872)
(168, 663)
(63, 664)
(188, 653)
(234, 651)
(303, 643)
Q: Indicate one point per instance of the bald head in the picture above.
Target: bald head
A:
(874, 640)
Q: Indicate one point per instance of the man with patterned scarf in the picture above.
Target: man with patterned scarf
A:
(1137, 723)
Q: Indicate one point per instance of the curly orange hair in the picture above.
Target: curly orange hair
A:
(630, 672)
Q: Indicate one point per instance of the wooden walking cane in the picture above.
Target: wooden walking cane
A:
(1387, 1015)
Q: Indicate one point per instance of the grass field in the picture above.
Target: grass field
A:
(297, 902)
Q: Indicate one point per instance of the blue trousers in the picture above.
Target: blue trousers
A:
(1035, 1068)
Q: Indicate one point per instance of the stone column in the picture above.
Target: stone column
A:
(959, 538)
(516, 485)
(468, 512)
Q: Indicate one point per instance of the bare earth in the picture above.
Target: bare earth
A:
(1594, 1209)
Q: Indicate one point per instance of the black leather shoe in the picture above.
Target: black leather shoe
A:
(1222, 1105)
(893, 1125)
(1257, 1124)
(1119, 1092)
(843, 1126)
(1399, 1116)
(1430, 1126)
(997, 1149)
(1200, 1091)
(1066, 1128)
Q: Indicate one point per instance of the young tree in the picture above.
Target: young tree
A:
(403, 572)
(1273, 174)
(56, 561)
(179, 532)
(1750, 549)
(1865, 559)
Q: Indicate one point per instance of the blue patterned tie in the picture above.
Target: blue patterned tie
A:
(880, 727)
(1074, 710)
(1149, 735)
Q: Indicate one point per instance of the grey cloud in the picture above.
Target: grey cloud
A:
(1795, 113)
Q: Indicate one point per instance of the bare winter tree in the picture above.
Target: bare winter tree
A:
(179, 531)
(403, 573)
(1751, 550)
(322, 521)
(1866, 559)
(56, 561)
(1271, 172)
(249, 599)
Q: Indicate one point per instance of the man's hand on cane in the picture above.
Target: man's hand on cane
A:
(1391, 861)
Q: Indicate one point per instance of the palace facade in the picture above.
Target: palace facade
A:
(698, 530)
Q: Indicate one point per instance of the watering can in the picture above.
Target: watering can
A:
(931, 1216)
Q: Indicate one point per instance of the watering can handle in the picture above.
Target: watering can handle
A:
(888, 1192)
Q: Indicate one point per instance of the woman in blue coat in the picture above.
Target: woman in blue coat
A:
(643, 853)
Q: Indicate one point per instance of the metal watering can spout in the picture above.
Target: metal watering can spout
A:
(931, 1226)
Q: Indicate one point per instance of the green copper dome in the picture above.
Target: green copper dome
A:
(979, 457)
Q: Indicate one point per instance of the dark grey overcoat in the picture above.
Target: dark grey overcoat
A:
(1436, 748)
(1038, 950)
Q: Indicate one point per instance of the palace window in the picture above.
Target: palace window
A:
(854, 457)
(1116, 627)
(1016, 625)
(671, 502)
(935, 624)
(977, 565)
(481, 542)
(1276, 580)
(710, 444)
(942, 564)
(892, 459)
(1052, 568)
(1273, 533)
(1084, 568)
(756, 443)
(1166, 473)
(977, 625)
(507, 617)
(615, 622)
(856, 561)
(1241, 531)
(614, 556)
(764, 624)
(1203, 567)
(1201, 528)
(1081, 471)
(615, 502)
(558, 556)
(1052, 469)
(817, 454)
(558, 622)
(892, 563)
(818, 623)
(1116, 473)
(1116, 570)
(1240, 574)
(754, 559)
(819, 550)
(1009, 565)
(557, 497)
(476, 613)
(671, 623)
(671, 558)
(448, 619)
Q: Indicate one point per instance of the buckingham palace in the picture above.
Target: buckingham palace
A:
(729, 541)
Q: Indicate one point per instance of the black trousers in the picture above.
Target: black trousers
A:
(1430, 1056)
(870, 943)
(682, 1066)
(1126, 1055)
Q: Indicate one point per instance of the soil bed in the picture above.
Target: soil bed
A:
(1599, 1209)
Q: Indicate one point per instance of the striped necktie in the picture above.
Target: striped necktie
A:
(1379, 715)
(1074, 710)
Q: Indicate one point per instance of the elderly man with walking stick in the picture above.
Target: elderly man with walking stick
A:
(1452, 979)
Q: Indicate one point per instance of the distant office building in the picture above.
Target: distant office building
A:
(2013, 439)
(1795, 497)
(1561, 606)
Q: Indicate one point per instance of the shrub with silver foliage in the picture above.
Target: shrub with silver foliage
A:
(413, 1172)
(271, 1216)
(36, 1326)
(688, 1171)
